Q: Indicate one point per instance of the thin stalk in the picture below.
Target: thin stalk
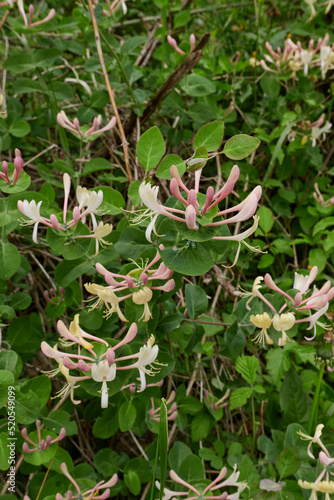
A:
(315, 403)
(110, 91)
(119, 62)
(254, 424)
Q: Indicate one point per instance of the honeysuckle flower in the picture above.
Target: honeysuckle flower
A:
(321, 487)
(311, 4)
(282, 323)
(89, 494)
(76, 335)
(100, 231)
(107, 298)
(103, 372)
(171, 409)
(172, 42)
(42, 443)
(74, 126)
(30, 24)
(221, 403)
(207, 493)
(32, 211)
(313, 439)
(262, 321)
(139, 282)
(192, 213)
(269, 485)
(70, 386)
(320, 132)
(142, 297)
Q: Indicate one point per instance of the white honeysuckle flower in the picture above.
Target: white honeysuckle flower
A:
(330, 4)
(147, 355)
(100, 232)
(103, 372)
(313, 439)
(306, 57)
(32, 211)
(318, 132)
(149, 196)
(282, 323)
(82, 195)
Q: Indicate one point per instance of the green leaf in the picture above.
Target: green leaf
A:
(126, 416)
(177, 454)
(60, 418)
(8, 360)
(20, 301)
(201, 425)
(6, 380)
(288, 461)
(240, 146)
(266, 221)
(5, 461)
(27, 407)
(133, 192)
(234, 340)
(132, 481)
(10, 260)
(106, 425)
(210, 136)
(247, 366)
(96, 165)
(239, 397)
(193, 259)
(163, 171)
(197, 86)
(293, 398)
(278, 362)
(20, 128)
(317, 257)
(198, 160)
(191, 468)
(20, 186)
(41, 387)
(150, 148)
(196, 300)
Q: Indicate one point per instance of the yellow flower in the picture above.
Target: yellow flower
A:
(281, 323)
(142, 297)
(262, 321)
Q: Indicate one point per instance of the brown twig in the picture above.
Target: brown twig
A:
(110, 91)
(171, 82)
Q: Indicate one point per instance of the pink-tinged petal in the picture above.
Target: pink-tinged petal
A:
(173, 44)
(191, 217)
(132, 332)
(177, 479)
(192, 197)
(63, 468)
(68, 363)
(175, 191)
(175, 173)
(50, 16)
(270, 284)
(109, 126)
(111, 482)
(54, 222)
(228, 186)
(192, 40)
(210, 193)
(220, 476)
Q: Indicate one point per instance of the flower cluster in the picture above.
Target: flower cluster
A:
(91, 493)
(202, 211)
(311, 305)
(311, 3)
(100, 368)
(84, 132)
(316, 131)
(320, 485)
(42, 443)
(139, 284)
(295, 58)
(320, 199)
(173, 43)
(29, 23)
(18, 167)
(88, 204)
(208, 492)
(171, 409)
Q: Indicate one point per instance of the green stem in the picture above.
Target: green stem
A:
(315, 403)
(254, 424)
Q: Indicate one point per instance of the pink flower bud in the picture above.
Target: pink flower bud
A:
(83, 366)
(110, 356)
(191, 217)
(144, 278)
(192, 40)
(54, 222)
